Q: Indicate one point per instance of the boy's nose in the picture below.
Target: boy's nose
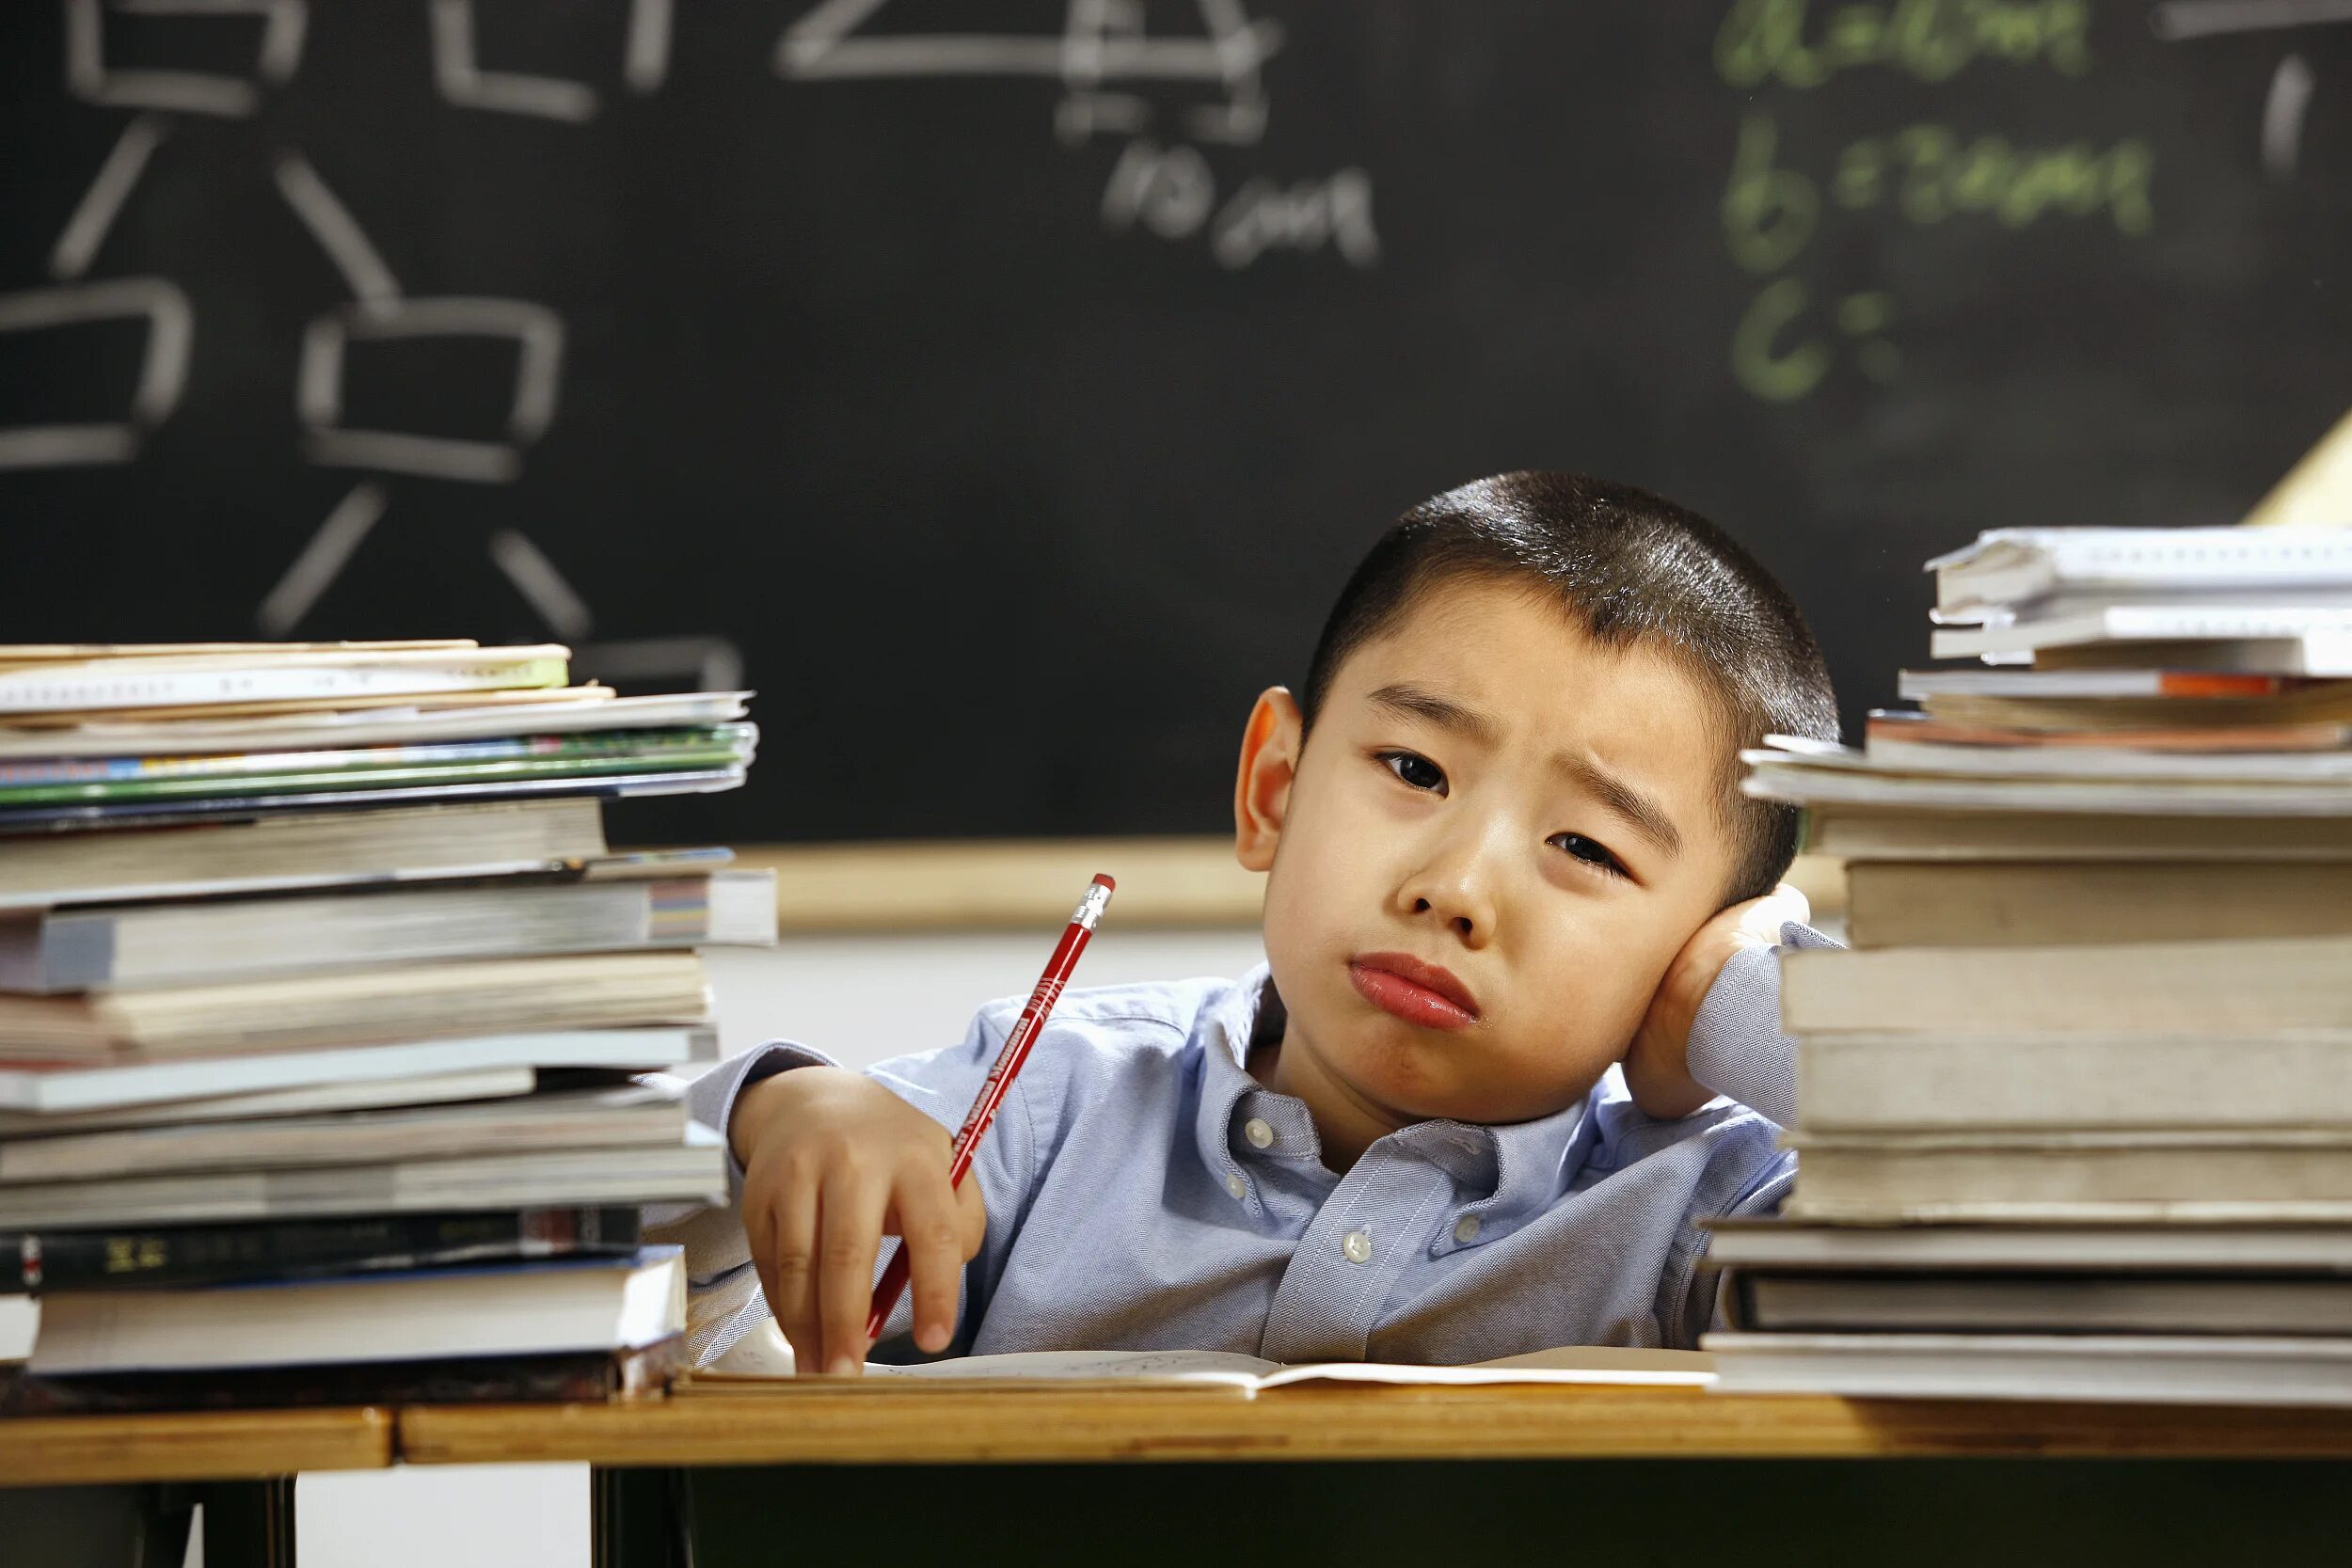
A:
(1457, 892)
(1465, 926)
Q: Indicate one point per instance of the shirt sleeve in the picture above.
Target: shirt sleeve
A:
(725, 1302)
(1737, 1048)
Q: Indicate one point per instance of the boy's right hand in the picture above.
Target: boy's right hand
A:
(832, 1163)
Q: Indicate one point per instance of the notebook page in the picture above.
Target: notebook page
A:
(764, 1355)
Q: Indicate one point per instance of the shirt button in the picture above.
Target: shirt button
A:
(1356, 1247)
(1258, 1132)
(1466, 1229)
(1236, 1186)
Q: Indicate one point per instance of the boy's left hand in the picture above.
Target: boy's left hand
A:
(1654, 1071)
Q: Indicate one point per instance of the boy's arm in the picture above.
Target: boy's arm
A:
(1714, 1025)
(1728, 1041)
(1736, 1047)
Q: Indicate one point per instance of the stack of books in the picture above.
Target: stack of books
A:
(2076, 1112)
(322, 1003)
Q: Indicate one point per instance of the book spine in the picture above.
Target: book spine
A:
(38, 1262)
(706, 754)
(76, 770)
(570, 1378)
(65, 692)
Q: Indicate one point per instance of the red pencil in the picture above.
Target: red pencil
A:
(1008, 1060)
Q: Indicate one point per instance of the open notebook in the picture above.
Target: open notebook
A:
(761, 1361)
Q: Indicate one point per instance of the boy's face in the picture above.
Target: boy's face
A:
(1493, 806)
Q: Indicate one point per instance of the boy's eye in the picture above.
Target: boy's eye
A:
(1590, 852)
(1414, 770)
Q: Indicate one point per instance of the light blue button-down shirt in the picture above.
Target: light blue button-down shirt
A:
(1145, 1192)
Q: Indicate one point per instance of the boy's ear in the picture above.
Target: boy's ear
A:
(1269, 761)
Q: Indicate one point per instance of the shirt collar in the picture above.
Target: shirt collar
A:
(1507, 1173)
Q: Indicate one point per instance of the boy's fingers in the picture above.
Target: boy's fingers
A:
(1800, 905)
(1764, 917)
(971, 1218)
(790, 1275)
(849, 1231)
(929, 1231)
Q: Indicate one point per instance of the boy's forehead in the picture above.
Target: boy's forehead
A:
(1518, 654)
(1546, 687)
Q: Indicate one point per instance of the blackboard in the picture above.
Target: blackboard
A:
(1004, 390)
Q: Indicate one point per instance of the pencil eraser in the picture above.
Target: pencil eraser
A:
(1102, 880)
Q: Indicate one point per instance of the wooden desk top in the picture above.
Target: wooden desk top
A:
(76, 1450)
(829, 1424)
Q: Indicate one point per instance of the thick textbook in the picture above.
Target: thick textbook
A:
(2014, 565)
(2275, 639)
(349, 794)
(482, 1082)
(2292, 754)
(134, 681)
(283, 851)
(573, 710)
(2031, 1304)
(1854, 831)
(193, 941)
(68, 780)
(2053, 1081)
(1785, 1245)
(595, 1304)
(626, 1117)
(566, 1377)
(691, 1169)
(1947, 1175)
(2091, 700)
(2170, 988)
(142, 1256)
(2206, 1368)
(1813, 774)
(79, 1086)
(397, 1003)
(1984, 904)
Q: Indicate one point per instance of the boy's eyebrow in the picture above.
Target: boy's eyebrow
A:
(1640, 813)
(1419, 702)
(1644, 816)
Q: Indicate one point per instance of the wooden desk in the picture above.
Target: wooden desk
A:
(244, 1463)
(1507, 1474)
(821, 1424)
(841, 1451)
(83, 1450)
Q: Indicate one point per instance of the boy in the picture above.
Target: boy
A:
(1505, 853)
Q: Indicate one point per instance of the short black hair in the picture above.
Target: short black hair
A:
(1628, 567)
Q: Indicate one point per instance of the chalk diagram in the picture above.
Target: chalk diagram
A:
(173, 103)
(2291, 83)
(1114, 77)
(1102, 49)
(1104, 58)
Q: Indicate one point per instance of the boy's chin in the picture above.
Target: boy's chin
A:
(1415, 1087)
(1415, 1078)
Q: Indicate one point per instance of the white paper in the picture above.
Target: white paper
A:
(764, 1353)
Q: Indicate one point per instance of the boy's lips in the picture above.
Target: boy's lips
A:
(1418, 993)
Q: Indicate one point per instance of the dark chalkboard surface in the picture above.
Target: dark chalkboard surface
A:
(892, 353)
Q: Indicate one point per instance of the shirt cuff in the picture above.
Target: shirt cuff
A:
(711, 1098)
(1736, 1046)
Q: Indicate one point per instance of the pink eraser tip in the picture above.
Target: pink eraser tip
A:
(1102, 880)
